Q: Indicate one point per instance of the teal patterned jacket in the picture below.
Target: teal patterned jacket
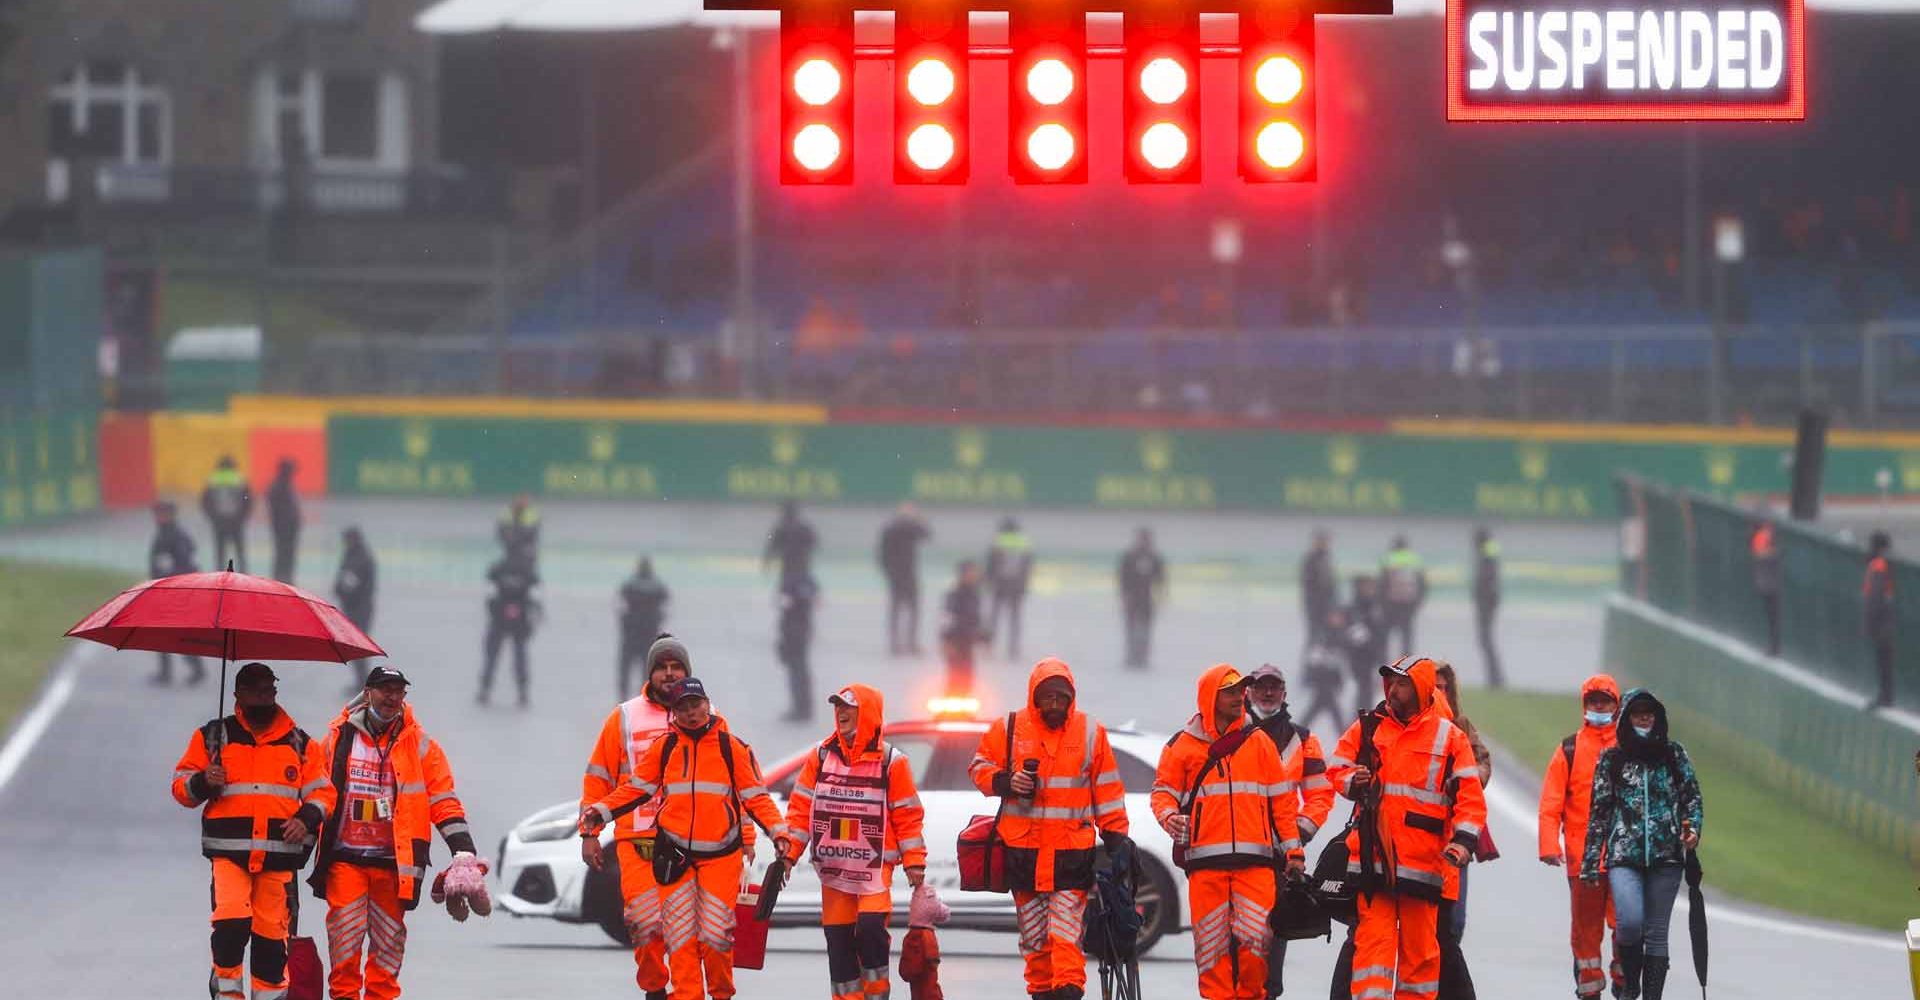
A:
(1636, 824)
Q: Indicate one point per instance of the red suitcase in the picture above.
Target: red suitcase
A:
(749, 931)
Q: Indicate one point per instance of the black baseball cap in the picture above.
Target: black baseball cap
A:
(383, 675)
(688, 687)
(253, 673)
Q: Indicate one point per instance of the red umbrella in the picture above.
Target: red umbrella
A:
(231, 615)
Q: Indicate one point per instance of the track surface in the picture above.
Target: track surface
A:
(106, 888)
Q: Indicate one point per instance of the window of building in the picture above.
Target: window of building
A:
(105, 110)
(349, 118)
(337, 119)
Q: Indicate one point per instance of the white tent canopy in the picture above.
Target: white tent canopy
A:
(456, 17)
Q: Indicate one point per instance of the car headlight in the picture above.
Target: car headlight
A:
(557, 823)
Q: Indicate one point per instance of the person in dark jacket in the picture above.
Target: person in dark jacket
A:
(1366, 641)
(353, 585)
(1009, 570)
(510, 616)
(1319, 586)
(792, 543)
(962, 628)
(1645, 818)
(1325, 669)
(643, 612)
(1142, 578)
(797, 600)
(899, 557)
(228, 503)
(283, 517)
(171, 554)
(1486, 601)
(1876, 592)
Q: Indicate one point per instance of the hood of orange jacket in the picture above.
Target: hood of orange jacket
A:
(1218, 677)
(1047, 670)
(871, 709)
(1421, 671)
(1599, 682)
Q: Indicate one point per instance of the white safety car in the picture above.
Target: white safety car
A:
(543, 876)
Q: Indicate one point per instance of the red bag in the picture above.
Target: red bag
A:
(306, 977)
(749, 931)
(983, 856)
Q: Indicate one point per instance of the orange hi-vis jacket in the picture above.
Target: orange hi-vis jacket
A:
(1242, 807)
(424, 797)
(846, 795)
(1304, 764)
(1416, 814)
(632, 727)
(272, 775)
(700, 794)
(1567, 794)
(1050, 837)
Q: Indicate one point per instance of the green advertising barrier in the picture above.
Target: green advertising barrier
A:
(48, 466)
(1039, 466)
(1852, 767)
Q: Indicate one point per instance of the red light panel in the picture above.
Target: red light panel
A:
(1277, 96)
(816, 95)
(1047, 93)
(1161, 107)
(930, 93)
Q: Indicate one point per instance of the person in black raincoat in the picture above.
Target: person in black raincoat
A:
(353, 586)
(796, 601)
(643, 612)
(283, 517)
(510, 616)
(791, 543)
(899, 556)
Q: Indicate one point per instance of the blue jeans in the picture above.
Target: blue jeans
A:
(1643, 905)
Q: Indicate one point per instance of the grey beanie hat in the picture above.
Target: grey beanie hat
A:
(664, 646)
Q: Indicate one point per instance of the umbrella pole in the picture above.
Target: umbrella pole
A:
(220, 696)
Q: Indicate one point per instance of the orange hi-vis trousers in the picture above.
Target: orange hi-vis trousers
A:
(249, 907)
(696, 915)
(642, 897)
(1592, 918)
(364, 922)
(1050, 924)
(1231, 908)
(1396, 932)
(857, 941)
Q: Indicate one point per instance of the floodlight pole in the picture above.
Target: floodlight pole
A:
(746, 329)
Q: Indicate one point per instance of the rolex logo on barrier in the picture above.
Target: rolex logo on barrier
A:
(969, 481)
(603, 442)
(1534, 457)
(785, 478)
(969, 447)
(786, 446)
(1158, 486)
(416, 438)
(1343, 457)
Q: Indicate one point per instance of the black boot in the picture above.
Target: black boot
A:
(657, 995)
(1068, 993)
(1655, 977)
(1632, 958)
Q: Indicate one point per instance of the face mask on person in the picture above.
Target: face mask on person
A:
(1643, 731)
(259, 715)
(1599, 718)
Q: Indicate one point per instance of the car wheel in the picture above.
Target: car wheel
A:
(600, 902)
(1159, 904)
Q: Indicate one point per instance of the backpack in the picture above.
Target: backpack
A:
(1218, 751)
(670, 861)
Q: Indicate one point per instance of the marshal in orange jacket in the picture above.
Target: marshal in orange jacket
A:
(1567, 794)
(1050, 836)
(1417, 759)
(272, 775)
(905, 843)
(700, 803)
(1244, 811)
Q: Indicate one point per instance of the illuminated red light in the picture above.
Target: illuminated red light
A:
(1051, 147)
(1050, 82)
(1279, 80)
(1165, 146)
(931, 147)
(1163, 80)
(931, 82)
(817, 148)
(816, 82)
(1280, 145)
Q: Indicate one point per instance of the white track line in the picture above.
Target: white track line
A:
(66, 675)
(1525, 815)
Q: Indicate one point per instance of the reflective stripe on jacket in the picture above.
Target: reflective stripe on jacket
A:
(630, 729)
(272, 776)
(1243, 809)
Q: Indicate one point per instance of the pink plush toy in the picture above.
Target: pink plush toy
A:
(463, 886)
(927, 909)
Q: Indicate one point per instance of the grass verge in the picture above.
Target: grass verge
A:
(1759, 844)
(37, 603)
